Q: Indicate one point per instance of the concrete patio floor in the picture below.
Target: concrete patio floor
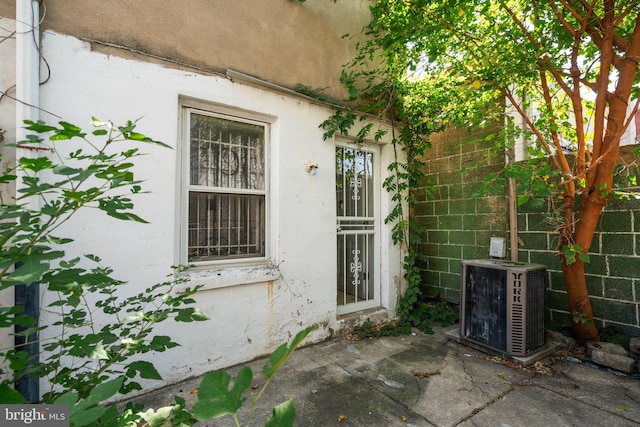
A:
(429, 380)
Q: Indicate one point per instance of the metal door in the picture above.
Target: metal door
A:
(357, 223)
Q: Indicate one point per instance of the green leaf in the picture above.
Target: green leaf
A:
(38, 126)
(35, 164)
(157, 418)
(10, 316)
(87, 416)
(31, 271)
(4, 179)
(190, 314)
(10, 396)
(97, 352)
(145, 369)
(18, 359)
(114, 206)
(161, 343)
(89, 410)
(69, 398)
(99, 123)
(215, 399)
(128, 133)
(536, 202)
(64, 170)
(103, 391)
(282, 353)
(67, 131)
(568, 250)
(57, 240)
(584, 257)
(28, 331)
(284, 415)
(522, 199)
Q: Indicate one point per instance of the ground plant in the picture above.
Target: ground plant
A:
(99, 341)
(422, 316)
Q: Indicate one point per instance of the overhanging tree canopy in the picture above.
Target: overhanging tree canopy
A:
(568, 67)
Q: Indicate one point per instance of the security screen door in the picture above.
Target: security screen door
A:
(357, 223)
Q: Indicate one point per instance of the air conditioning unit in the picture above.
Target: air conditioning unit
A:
(503, 305)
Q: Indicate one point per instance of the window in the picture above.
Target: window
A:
(226, 189)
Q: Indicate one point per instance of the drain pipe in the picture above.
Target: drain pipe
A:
(27, 295)
(512, 196)
(27, 64)
(513, 219)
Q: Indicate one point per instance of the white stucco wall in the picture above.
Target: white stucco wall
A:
(247, 320)
(629, 137)
(8, 126)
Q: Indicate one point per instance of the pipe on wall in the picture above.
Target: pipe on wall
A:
(27, 295)
(27, 64)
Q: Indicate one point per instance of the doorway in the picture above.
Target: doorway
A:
(357, 218)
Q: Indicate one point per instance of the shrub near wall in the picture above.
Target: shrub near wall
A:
(458, 225)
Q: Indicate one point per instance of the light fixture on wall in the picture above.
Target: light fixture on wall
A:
(312, 168)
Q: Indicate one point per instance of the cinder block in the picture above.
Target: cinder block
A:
(607, 347)
(615, 361)
(619, 243)
(634, 346)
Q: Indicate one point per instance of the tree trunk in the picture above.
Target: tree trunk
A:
(579, 304)
(574, 274)
(606, 144)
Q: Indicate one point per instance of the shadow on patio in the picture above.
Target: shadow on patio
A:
(429, 380)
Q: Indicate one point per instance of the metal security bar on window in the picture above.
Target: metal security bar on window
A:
(225, 225)
(226, 154)
(227, 189)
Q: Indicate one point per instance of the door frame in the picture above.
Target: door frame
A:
(375, 194)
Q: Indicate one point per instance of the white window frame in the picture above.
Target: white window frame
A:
(187, 106)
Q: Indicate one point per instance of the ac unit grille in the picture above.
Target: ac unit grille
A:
(517, 329)
(536, 302)
(485, 308)
(503, 305)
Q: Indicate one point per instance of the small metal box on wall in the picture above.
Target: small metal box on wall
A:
(503, 305)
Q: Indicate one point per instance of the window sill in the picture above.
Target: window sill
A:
(227, 277)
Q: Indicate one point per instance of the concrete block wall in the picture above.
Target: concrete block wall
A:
(613, 274)
(459, 226)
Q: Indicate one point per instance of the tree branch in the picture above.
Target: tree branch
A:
(560, 160)
(605, 45)
(544, 62)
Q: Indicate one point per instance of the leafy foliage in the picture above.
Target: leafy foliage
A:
(428, 313)
(370, 330)
(216, 399)
(95, 347)
(422, 316)
(80, 353)
(614, 334)
(580, 317)
(559, 74)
